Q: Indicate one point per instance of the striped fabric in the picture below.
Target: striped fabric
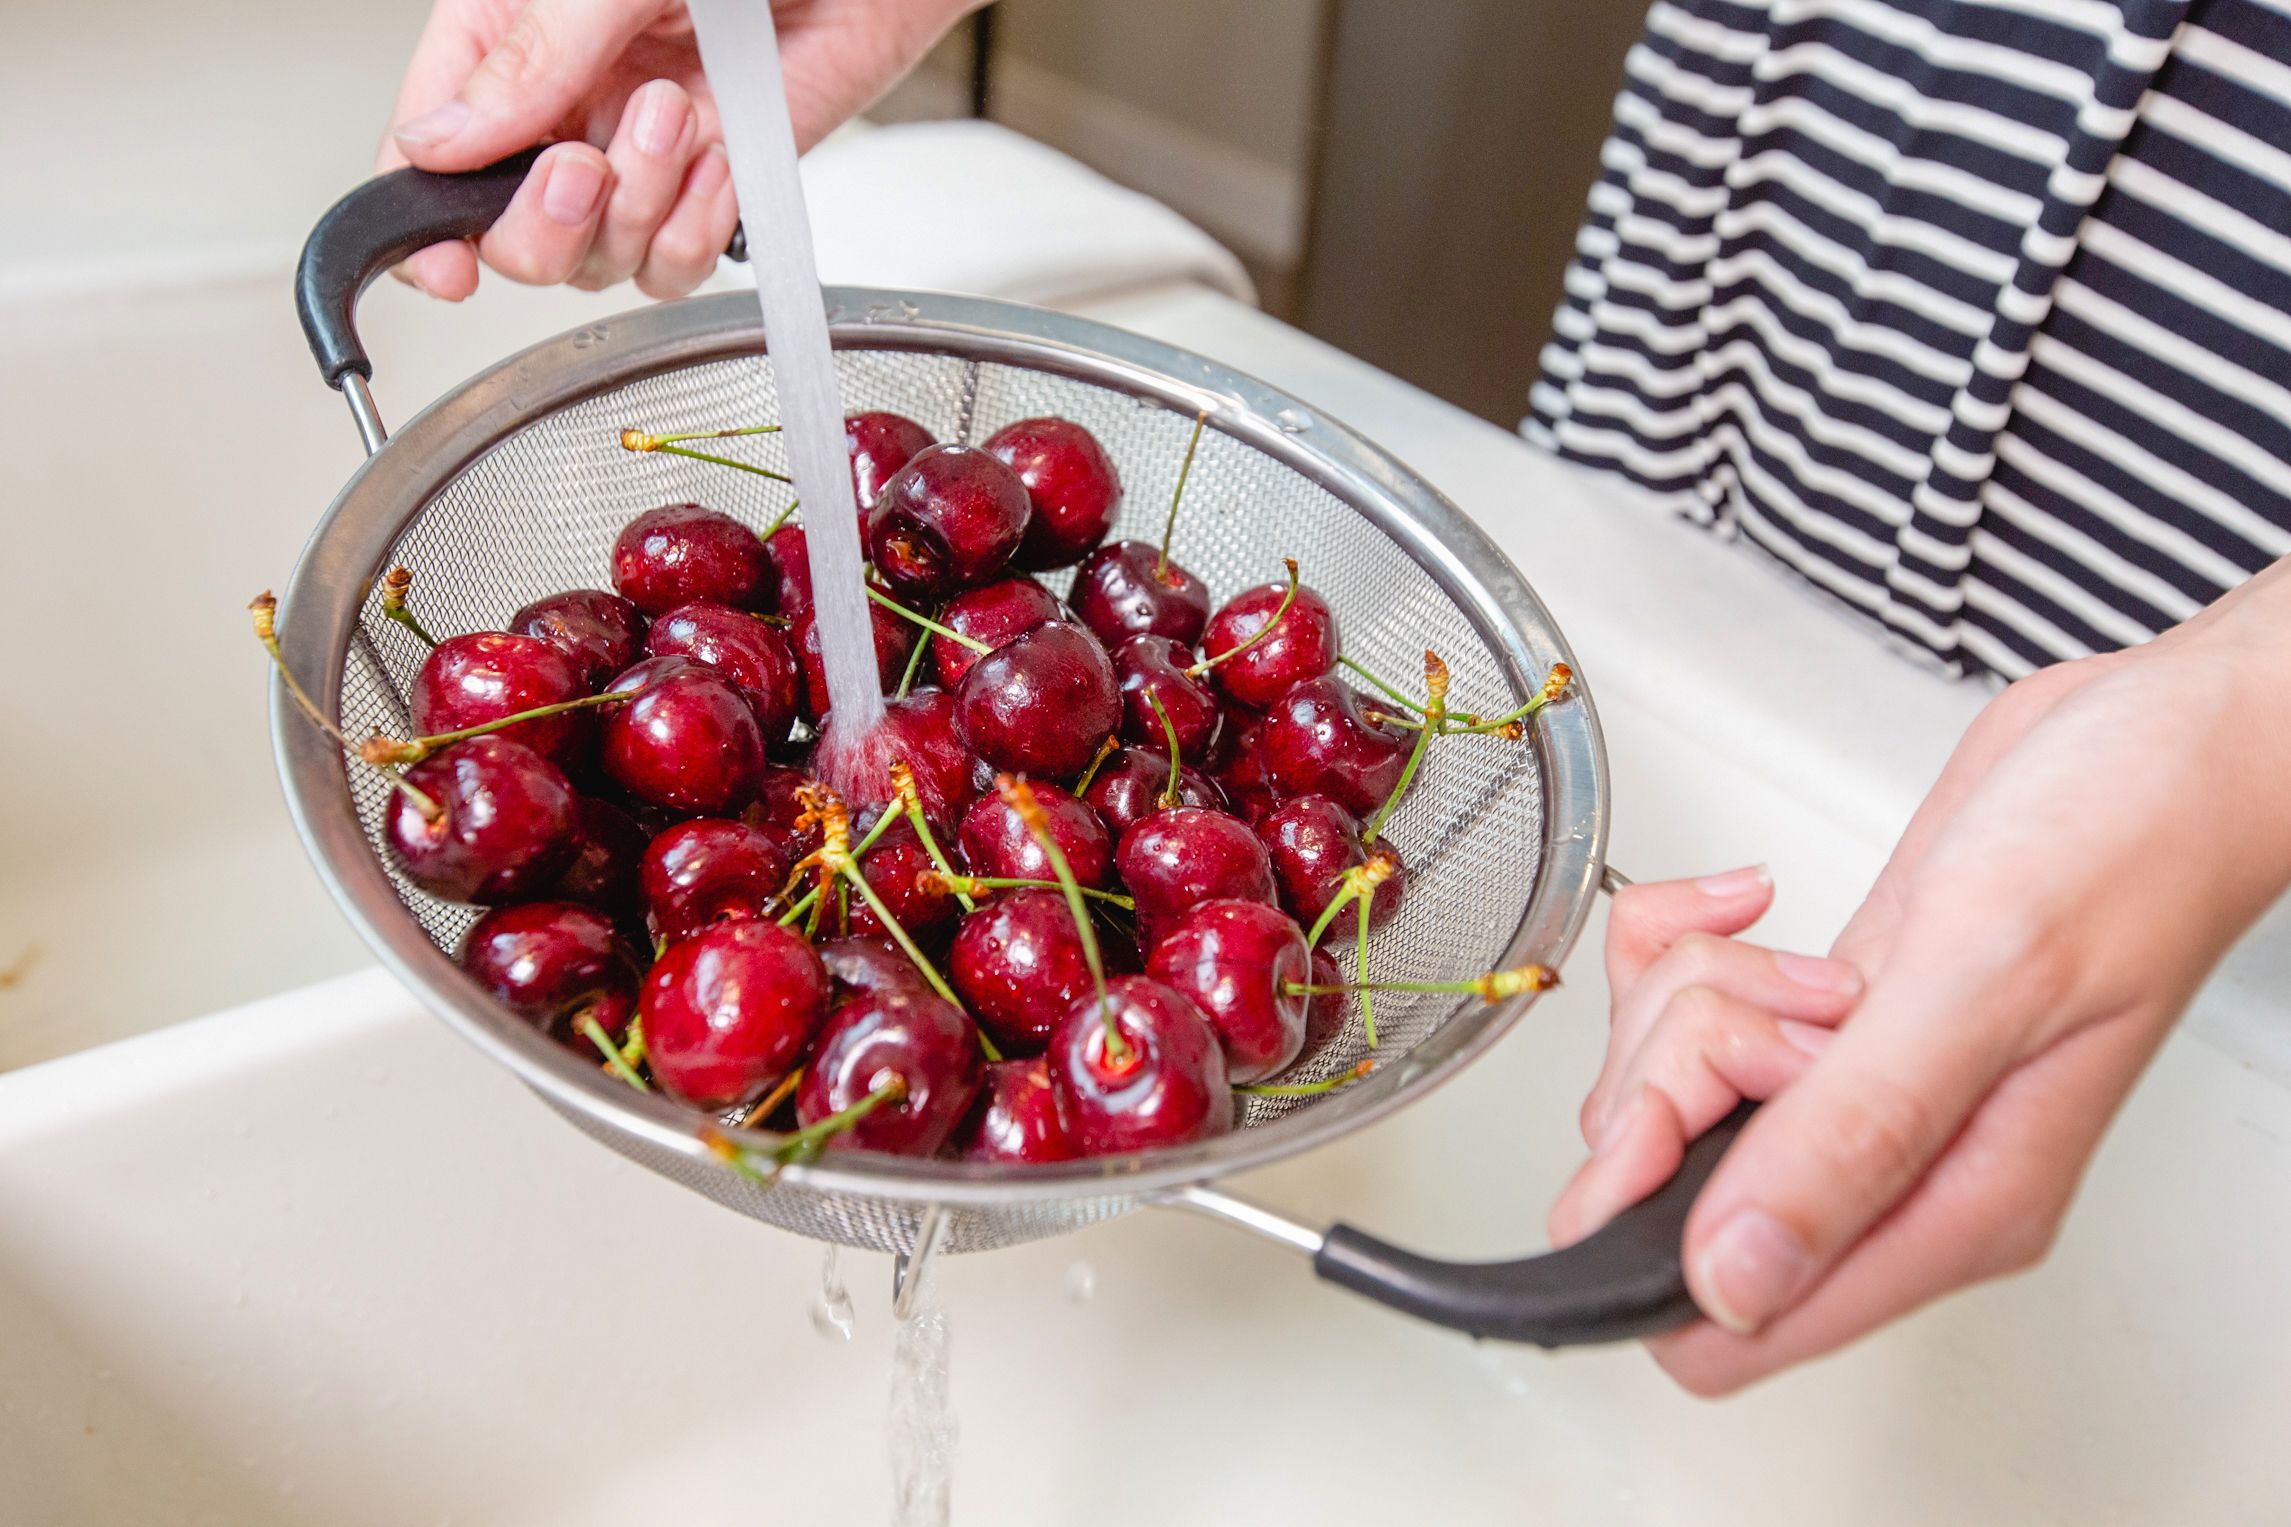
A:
(1975, 313)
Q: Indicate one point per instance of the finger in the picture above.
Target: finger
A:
(685, 250)
(839, 60)
(444, 57)
(1787, 985)
(443, 270)
(649, 153)
(1647, 919)
(546, 232)
(527, 84)
(1708, 1053)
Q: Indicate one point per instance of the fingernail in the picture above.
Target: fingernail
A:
(1808, 1038)
(1812, 970)
(1749, 1270)
(1741, 882)
(1618, 1123)
(435, 126)
(575, 184)
(659, 119)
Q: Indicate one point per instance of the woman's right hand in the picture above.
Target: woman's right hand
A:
(637, 184)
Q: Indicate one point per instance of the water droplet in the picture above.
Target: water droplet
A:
(1081, 1283)
(1293, 421)
(922, 1432)
(831, 1314)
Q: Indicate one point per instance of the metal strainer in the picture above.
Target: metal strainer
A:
(513, 486)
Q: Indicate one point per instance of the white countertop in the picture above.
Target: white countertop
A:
(313, 1260)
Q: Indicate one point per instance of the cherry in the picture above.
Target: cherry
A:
(918, 731)
(1165, 1084)
(1313, 842)
(729, 1011)
(865, 964)
(1176, 859)
(1303, 646)
(602, 633)
(1318, 741)
(1016, 1119)
(1242, 776)
(790, 555)
(880, 444)
(1123, 590)
(1018, 964)
(1070, 481)
(688, 743)
(1325, 1011)
(1153, 668)
(609, 845)
(777, 805)
(917, 1039)
(486, 675)
(504, 824)
(553, 963)
(746, 650)
(1235, 961)
(894, 639)
(946, 520)
(994, 613)
(996, 844)
(903, 873)
(681, 552)
(1041, 704)
(1129, 787)
(711, 870)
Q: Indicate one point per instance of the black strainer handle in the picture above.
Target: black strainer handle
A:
(1627, 1280)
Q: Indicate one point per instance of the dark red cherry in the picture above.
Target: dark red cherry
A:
(994, 613)
(1174, 860)
(469, 680)
(948, 519)
(746, 650)
(1170, 1088)
(996, 844)
(1318, 741)
(1235, 960)
(729, 1012)
(553, 963)
(688, 743)
(1242, 775)
(918, 731)
(1325, 1014)
(790, 557)
(1071, 483)
(921, 1039)
(894, 639)
(903, 874)
(1041, 704)
(1122, 592)
(1018, 964)
(711, 870)
(862, 965)
(681, 552)
(881, 443)
(1312, 842)
(1128, 789)
(1154, 666)
(778, 805)
(1016, 1118)
(608, 847)
(1303, 646)
(506, 828)
(602, 633)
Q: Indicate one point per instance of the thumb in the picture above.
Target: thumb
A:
(552, 58)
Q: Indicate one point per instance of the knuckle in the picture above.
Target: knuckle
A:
(526, 52)
(1882, 1139)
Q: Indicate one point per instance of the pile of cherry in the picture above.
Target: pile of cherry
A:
(1065, 901)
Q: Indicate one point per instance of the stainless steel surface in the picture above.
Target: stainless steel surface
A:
(909, 1268)
(514, 486)
(369, 418)
(1612, 880)
(1241, 1213)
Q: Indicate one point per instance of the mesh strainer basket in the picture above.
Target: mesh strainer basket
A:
(513, 486)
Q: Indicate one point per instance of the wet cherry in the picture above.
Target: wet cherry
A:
(1168, 1086)
(728, 1012)
(862, 964)
(485, 675)
(777, 805)
(1313, 842)
(1234, 960)
(790, 557)
(894, 639)
(880, 444)
(1325, 1012)
(1128, 788)
(688, 743)
(745, 649)
(1040, 705)
(1318, 741)
(711, 870)
(603, 872)
(602, 633)
(918, 731)
(1154, 666)
(1016, 1118)
(553, 963)
(1018, 965)
(681, 552)
(948, 519)
(1174, 860)
(1242, 774)
(1070, 482)
(902, 873)
(505, 826)
(921, 1040)
(1303, 646)
(996, 844)
(994, 613)
(1122, 591)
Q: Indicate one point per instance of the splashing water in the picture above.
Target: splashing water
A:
(922, 1430)
(741, 52)
(831, 1306)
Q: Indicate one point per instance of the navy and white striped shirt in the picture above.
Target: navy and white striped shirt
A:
(1976, 313)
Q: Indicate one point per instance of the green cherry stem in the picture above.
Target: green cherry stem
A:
(771, 1100)
(914, 665)
(805, 1143)
(616, 1062)
(632, 1049)
(1435, 716)
(1169, 527)
(1390, 692)
(395, 583)
(903, 782)
(638, 440)
(810, 899)
(1492, 987)
(1307, 1089)
(1256, 636)
(974, 884)
(1359, 882)
(1360, 967)
(378, 749)
(1169, 796)
(925, 621)
(906, 943)
(1106, 750)
(263, 609)
(1019, 796)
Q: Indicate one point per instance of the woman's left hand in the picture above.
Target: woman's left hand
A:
(2103, 833)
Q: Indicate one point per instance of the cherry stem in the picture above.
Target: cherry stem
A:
(770, 1101)
(1169, 527)
(1307, 1089)
(378, 749)
(638, 440)
(1169, 796)
(1554, 685)
(1360, 967)
(632, 1048)
(1492, 987)
(925, 621)
(974, 883)
(1359, 882)
(1390, 692)
(1019, 796)
(804, 1144)
(809, 900)
(900, 936)
(1106, 750)
(903, 778)
(395, 583)
(1343, 899)
(914, 665)
(1435, 717)
(615, 1062)
(1256, 636)
(264, 608)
